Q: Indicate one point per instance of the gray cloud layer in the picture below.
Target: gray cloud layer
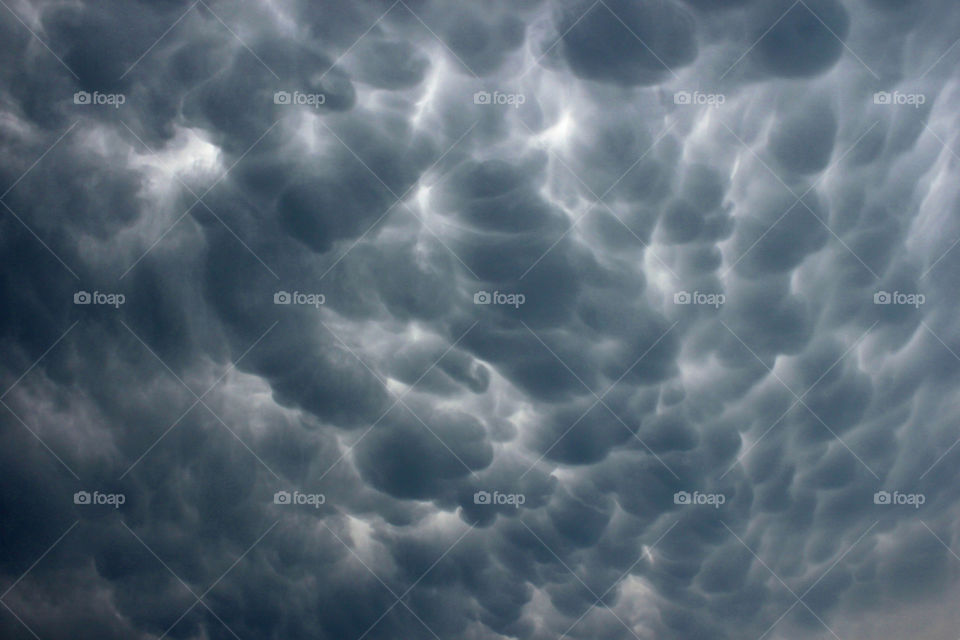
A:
(554, 319)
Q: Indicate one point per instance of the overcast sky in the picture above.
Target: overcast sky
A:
(479, 319)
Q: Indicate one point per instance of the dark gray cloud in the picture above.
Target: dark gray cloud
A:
(532, 319)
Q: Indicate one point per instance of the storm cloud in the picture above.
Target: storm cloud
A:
(526, 319)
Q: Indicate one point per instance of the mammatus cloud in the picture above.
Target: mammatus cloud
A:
(534, 319)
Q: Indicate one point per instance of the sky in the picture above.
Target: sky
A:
(477, 320)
